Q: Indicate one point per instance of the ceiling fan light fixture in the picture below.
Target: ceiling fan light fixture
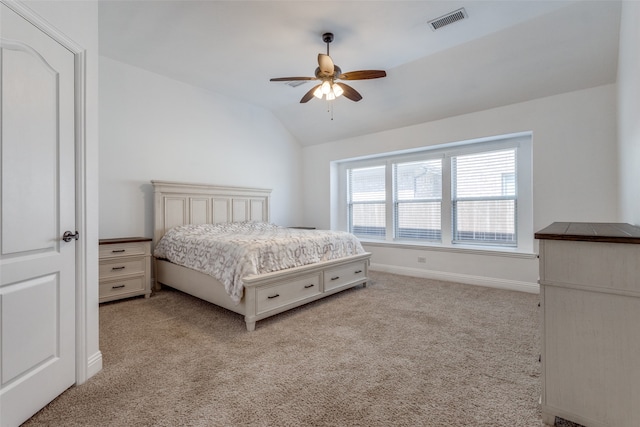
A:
(318, 92)
(326, 87)
(337, 90)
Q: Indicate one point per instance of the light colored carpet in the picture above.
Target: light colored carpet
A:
(401, 352)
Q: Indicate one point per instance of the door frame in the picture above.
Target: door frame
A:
(81, 351)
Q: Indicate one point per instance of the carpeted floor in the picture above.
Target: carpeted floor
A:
(401, 352)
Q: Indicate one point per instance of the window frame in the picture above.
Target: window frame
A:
(522, 142)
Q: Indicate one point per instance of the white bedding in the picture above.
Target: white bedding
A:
(231, 251)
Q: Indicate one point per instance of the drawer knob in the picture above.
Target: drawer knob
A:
(357, 272)
(118, 268)
(309, 286)
(116, 251)
(117, 287)
(273, 296)
(335, 278)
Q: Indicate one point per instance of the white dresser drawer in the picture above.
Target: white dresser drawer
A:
(272, 297)
(115, 289)
(611, 266)
(122, 266)
(123, 249)
(344, 275)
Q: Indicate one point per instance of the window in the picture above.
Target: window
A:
(472, 193)
(484, 197)
(417, 200)
(367, 196)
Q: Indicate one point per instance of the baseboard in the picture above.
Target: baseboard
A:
(490, 282)
(94, 364)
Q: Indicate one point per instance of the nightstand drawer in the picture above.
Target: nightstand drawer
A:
(123, 249)
(114, 289)
(122, 266)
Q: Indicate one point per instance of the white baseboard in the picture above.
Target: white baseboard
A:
(490, 282)
(94, 364)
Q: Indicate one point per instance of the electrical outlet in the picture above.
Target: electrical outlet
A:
(422, 259)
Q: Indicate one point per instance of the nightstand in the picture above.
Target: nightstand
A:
(125, 268)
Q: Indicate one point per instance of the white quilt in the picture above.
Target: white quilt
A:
(231, 251)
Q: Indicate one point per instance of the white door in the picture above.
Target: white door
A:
(37, 193)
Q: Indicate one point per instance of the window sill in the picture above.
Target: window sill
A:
(471, 250)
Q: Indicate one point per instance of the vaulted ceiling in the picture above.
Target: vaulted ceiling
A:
(504, 52)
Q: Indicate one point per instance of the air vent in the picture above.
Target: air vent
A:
(447, 19)
(295, 83)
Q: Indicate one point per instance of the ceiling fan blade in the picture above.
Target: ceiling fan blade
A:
(363, 75)
(290, 79)
(349, 92)
(326, 64)
(307, 96)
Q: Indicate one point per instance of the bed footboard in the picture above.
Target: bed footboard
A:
(268, 294)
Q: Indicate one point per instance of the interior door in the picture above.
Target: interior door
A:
(37, 268)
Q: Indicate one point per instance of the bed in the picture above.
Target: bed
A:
(264, 294)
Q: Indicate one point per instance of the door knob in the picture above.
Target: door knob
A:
(68, 236)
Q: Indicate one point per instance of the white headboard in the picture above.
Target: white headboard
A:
(178, 203)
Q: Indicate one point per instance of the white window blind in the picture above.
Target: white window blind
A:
(418, 200)
(366, 194)
(484, 196)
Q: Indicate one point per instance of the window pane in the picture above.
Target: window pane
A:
(418, 221)
(368, 220)
(419, 180)
(490, 221)
(367, 184)
(367, 200)
(484, 198)
(485, 174)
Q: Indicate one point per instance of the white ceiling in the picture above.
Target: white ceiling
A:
(505, 52)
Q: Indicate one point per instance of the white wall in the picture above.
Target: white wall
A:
(153, 127)
(629, 112)
(574, 177)
(79, 22)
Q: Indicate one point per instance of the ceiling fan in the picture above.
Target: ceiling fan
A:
(327, 73)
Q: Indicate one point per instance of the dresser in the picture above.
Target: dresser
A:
(590, 312)
(124, 268)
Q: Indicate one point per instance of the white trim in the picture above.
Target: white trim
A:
(460, 249)
(94, 364)
(489, 282)
(84, 365)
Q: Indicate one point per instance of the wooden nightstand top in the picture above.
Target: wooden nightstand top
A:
(124, 240)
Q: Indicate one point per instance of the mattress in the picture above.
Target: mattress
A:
(231, 251)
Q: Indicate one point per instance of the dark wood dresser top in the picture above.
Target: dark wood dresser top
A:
(591, 232)
(124, 240)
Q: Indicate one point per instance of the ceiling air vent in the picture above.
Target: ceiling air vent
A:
(447, 19)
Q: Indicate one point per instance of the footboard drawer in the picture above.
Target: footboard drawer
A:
(279, 295)
(345, 275)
